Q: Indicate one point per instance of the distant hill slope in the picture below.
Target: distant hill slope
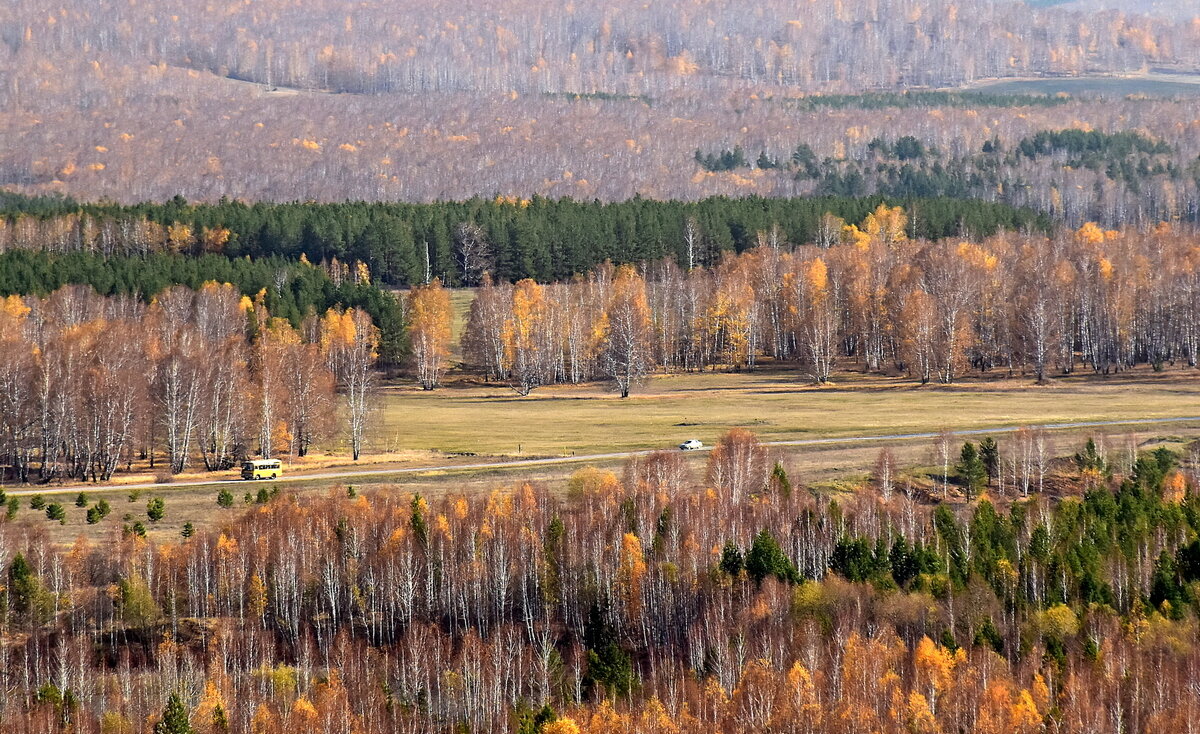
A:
(618, 46)
(1177, 9)
(322, 99)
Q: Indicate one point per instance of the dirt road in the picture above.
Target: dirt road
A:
(580, 458)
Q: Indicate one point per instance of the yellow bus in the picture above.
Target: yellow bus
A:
(262, 469)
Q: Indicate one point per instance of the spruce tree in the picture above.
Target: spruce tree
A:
(732, 560)
(766, 558)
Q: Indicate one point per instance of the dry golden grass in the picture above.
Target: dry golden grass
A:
(316, 461)
(777, 405)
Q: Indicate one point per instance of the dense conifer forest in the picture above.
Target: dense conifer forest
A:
(403, 244)
(291, 290)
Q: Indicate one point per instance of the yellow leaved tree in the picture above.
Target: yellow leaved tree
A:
(429, 331)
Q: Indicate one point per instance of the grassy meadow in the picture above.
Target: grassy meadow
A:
(465, 417)
(777, 405)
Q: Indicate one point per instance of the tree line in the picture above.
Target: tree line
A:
(539, 238)
(648, 601)
(918, 98)
(1105, 301)
(1128, 163)
(201, 378)
(291, 290)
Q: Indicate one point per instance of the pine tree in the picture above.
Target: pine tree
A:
(732, 560)
(609, 665)
(175, 718)
(989, 454)
(971, 469)
(23, 585)
(780, 484)
(56, 511)
(156, 508)
(766, 558)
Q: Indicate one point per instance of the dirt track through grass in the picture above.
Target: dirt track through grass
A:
(566, 420)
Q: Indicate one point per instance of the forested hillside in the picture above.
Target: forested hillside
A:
(638, 603)
(617, 46)
(1179, 9)
(486, 259)
(1079, 174)
(287, 101)
(290, 290)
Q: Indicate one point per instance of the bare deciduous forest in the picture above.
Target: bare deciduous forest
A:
(90, 384)
(379, 101)
(630, 191)
(634, 604)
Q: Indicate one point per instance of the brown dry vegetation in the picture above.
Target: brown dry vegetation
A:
(840, 471)
(433, 101)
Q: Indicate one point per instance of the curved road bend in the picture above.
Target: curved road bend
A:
(554, 460)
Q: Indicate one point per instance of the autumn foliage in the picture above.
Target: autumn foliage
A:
(609, 100)
(639, 603)
(429, 318)
(196, 379)
(1095, 300)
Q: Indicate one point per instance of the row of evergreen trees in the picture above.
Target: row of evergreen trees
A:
(544, 239)
(292, 289)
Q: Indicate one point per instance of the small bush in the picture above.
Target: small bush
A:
(37, 502)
